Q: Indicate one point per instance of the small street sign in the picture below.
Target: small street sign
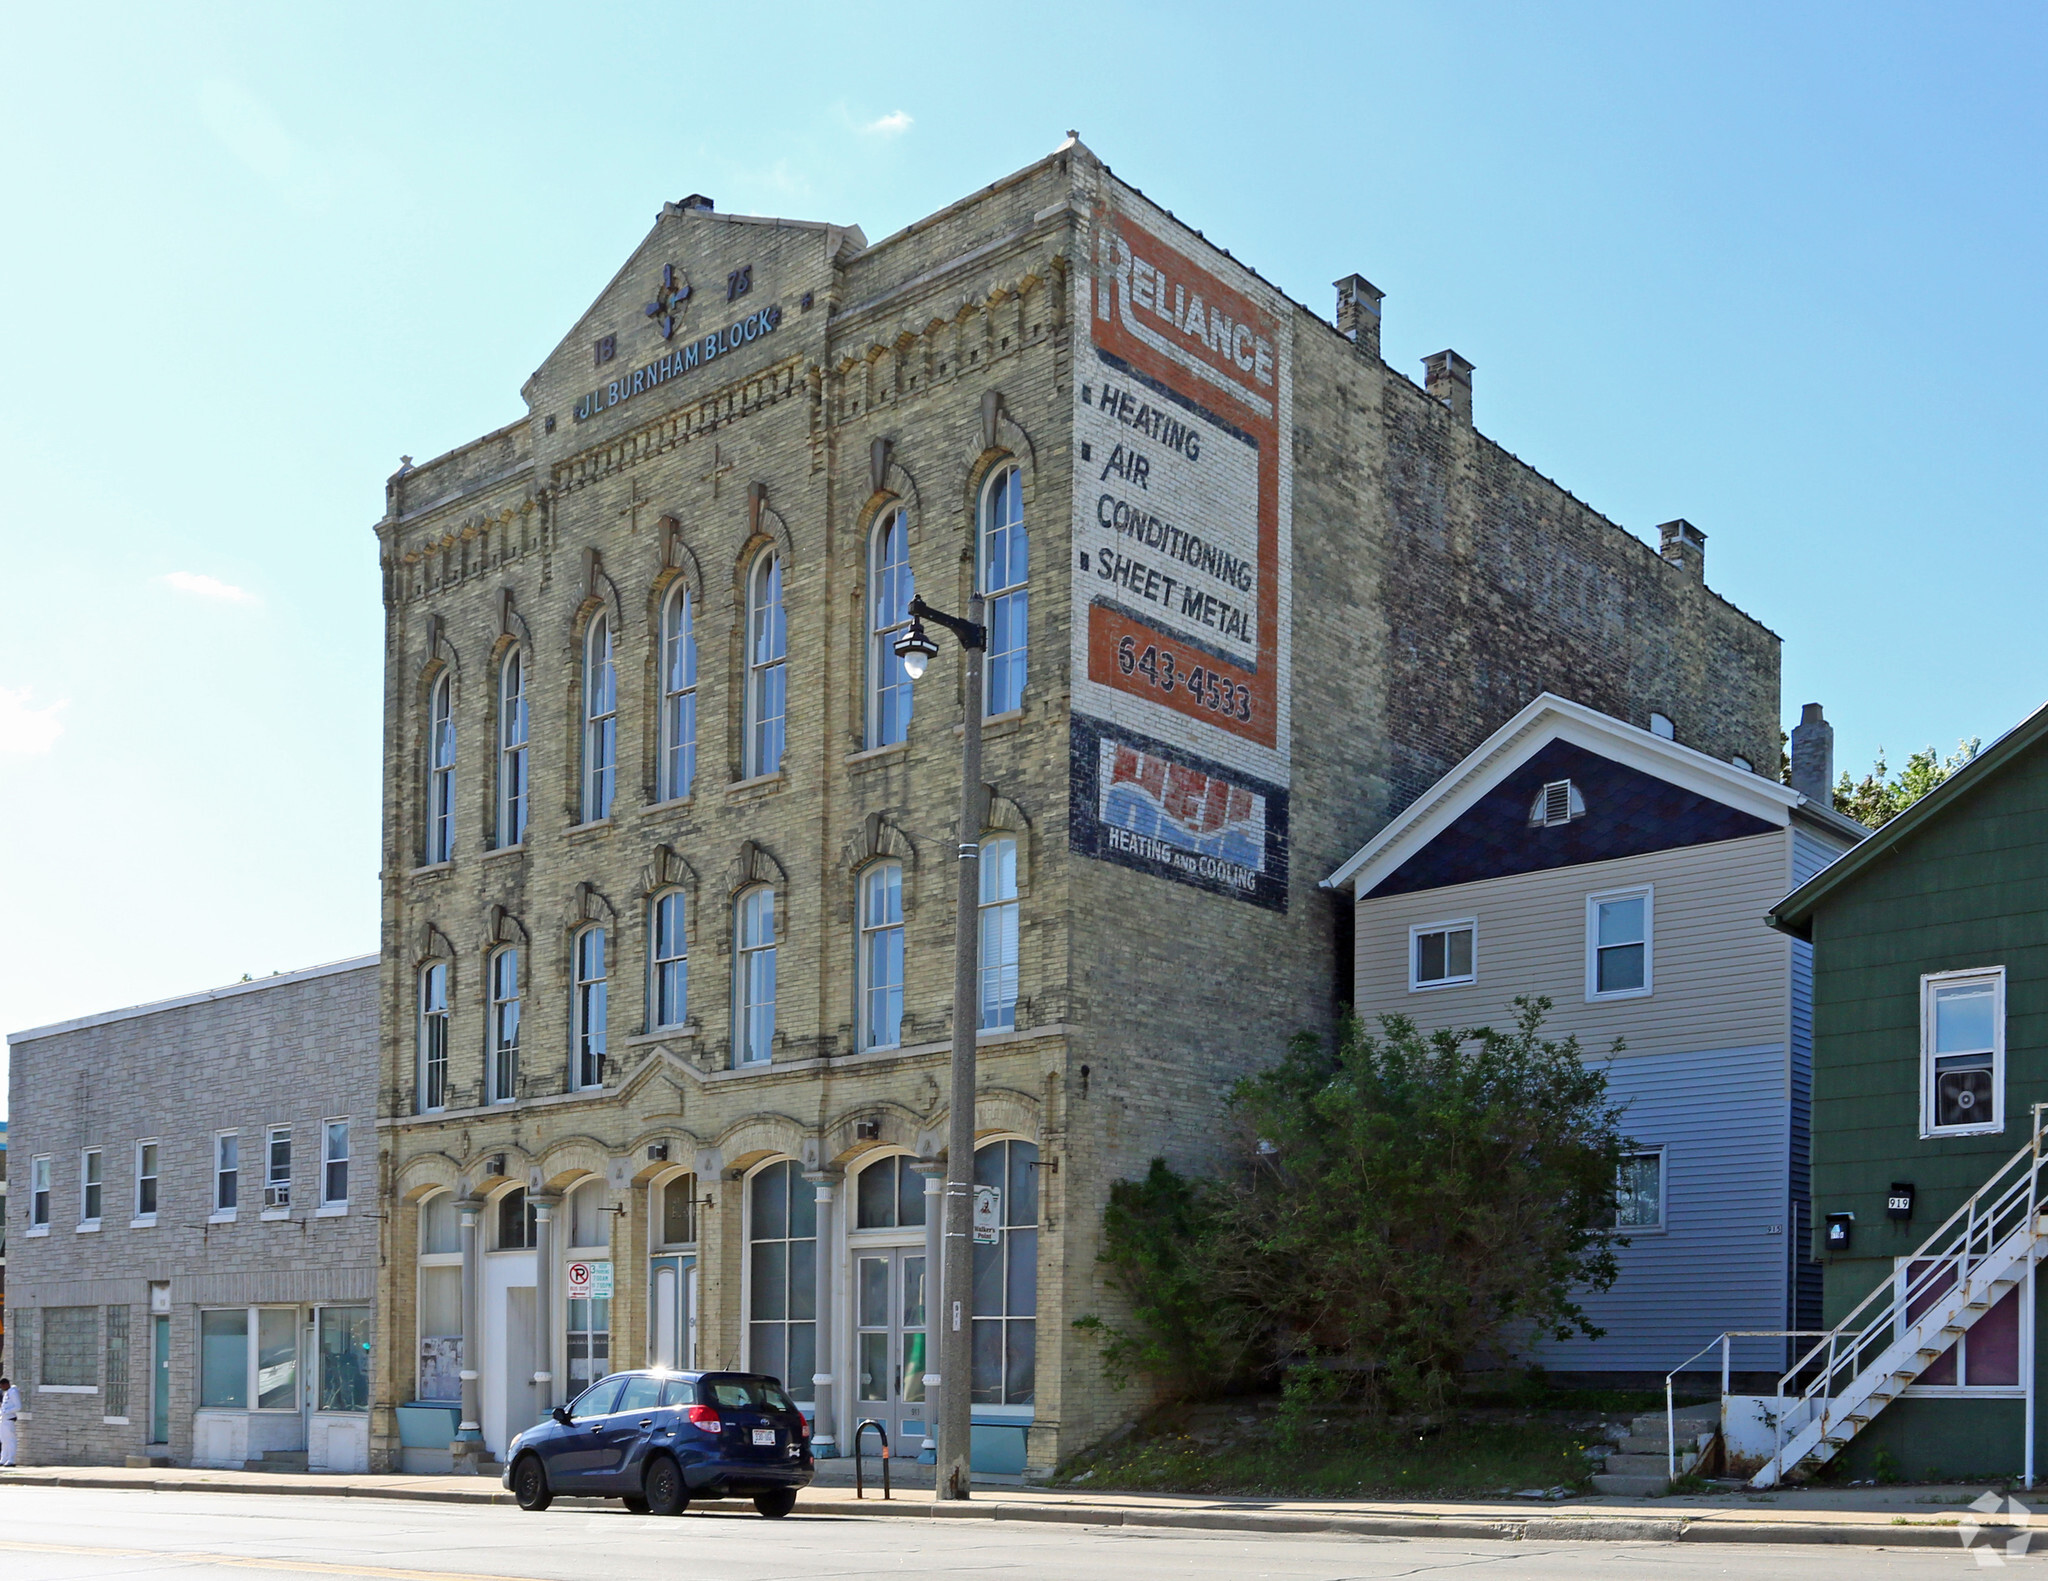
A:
(988, 1215)
(590, 1281)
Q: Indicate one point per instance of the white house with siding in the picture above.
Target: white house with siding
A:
(1625, 876)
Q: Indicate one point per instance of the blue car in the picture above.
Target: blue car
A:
(657, 1440)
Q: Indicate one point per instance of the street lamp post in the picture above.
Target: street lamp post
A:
(956, 1330)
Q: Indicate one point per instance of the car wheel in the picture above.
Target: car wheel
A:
(530, 1484)
(634, 1502)
(777, 1503)
(667, 1494)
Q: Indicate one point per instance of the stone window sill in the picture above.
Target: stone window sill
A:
(432, 869)
(143, 1221)
(37, 1229)
(759, 785)
(224, 1216)
(869, 757)
(997, 724)
(495, 852)
(683, 1034)
(67, 1388)
(674, 804)
(89, 1227)
(272, 1215)
(590, 830)
(333, 1210)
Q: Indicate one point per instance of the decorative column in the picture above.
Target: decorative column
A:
(824, 1442)
(469, 1435)
(547, 1396)
(934, 1174)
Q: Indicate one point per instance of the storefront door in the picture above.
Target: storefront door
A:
(889, 1361)
(672, 1312)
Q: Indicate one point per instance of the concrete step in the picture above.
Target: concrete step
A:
(1654, 1443)
(1628, 1487)
(1689, 1421)
(1626, 1465)
(277, 1460)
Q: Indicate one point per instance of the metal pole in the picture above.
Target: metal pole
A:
(955, 1414)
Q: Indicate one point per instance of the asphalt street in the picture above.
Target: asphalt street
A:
(65, 1534)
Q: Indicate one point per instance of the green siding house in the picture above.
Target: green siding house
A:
(1930, 957)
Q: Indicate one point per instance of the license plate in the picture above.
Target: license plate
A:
(765, 1435)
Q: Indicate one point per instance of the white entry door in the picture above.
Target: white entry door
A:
(889, 1360)
(672, 1313)
(505, 1379)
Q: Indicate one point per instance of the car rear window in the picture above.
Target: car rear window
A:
(640, 1394)
(679, 1391)
(738, 1393)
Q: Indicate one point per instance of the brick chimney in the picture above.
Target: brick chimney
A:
(1684, 545)
(1358, 312)
(1448, 377)
(1813, 756)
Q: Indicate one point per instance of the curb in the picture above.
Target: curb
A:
(1534, 1528)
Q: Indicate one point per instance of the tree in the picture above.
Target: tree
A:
(1878, 800)
(1398, 1204)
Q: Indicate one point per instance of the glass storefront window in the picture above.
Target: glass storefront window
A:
(277, 1359)
(344, 1359)
(224, 1359)
(1005, 1339)
(590, 1340)
(783, 1276)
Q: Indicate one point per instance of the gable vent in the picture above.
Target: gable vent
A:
(1559, 802)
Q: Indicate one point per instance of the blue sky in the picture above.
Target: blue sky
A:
(1772, 268)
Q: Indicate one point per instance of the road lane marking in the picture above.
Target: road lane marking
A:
(249, 1562)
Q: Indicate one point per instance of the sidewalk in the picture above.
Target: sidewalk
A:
(1867, 1517)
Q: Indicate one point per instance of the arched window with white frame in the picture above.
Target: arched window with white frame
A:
(767, 667)
(668, 989)
(502, 1056)
(587, 1011)
(998, 926)
(433, 1037)
(891, 586)
(1002, 567)
(441, 771)
(513, 796)
(678, 767)
(753, 984)
(881, 956)
(600, 721)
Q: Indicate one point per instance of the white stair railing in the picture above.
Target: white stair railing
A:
(1890, 1337)
(1721, 1343)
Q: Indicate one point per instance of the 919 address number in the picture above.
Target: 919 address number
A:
(1161, 667)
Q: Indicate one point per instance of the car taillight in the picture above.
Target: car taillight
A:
(703, 1418)
(803, 1426)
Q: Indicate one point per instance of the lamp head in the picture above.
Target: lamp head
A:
(916, 649)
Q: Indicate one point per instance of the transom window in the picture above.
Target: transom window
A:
(754, 978)
(1618, 944)
(1962, 1044)
(516, 1221)
(767, 667)
(513, 797)
(998, 922)
(678, 695)
(587, 1010)
(1004, 564)
(441, 773)
(678, 1199)
(1440, 954)
(889, 1196)
(881, 956)
(600, 721)
(670, 962)
(891, 587)
(433, 1036)
(504, 1028)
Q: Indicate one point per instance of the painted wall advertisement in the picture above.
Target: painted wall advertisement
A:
(1182, 538)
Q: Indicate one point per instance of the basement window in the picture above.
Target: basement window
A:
(1962, 1052)
(1557, 803)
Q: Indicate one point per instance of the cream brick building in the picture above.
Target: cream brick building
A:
(656, 797)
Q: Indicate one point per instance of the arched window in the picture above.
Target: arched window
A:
(587, 1011)
(767, 667)
(441, 772)
(516, 1220)
(1004, 563)
(1006, 1279)
(512, 786)
(669, 993)
(440, 1299)
(881, 956)
(504, 1026)
(676, 1200)
(890, 590)
(998, 933)
(678, 696)
(782, 1288)
(753, 982)
(600, 721)
(587, 1228)
(433, 1036)
(889, 1196)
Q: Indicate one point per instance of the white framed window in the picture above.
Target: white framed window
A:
(334, 1165)
(433, 1037)
(588, 1011)
(767, 667)
(1005, 1287)
(1618, 944)
(1442, 954)
(891, 586)
(236, 1375)
(145, 1183)
(998, 929)
(227, 1173)
(600, 721)
(1004, 565)
(91, 1187)
(1962, 1052)
(514, 798)
(1556, 804)
(39, 1195)
(753, 982)
(277, 1170)
(503, 1053)
(668, 997)
(881, 956)
(678, 769)
(441, 771)
(1639, 1191)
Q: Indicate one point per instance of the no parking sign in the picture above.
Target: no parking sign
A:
(590, 1281)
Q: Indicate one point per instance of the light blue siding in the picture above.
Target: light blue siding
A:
(1721, 1118)
(1809, 855)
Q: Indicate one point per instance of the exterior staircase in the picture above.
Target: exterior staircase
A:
(1905, 1325)
(1641, 1465)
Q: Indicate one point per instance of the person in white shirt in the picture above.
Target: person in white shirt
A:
(10, 1408)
